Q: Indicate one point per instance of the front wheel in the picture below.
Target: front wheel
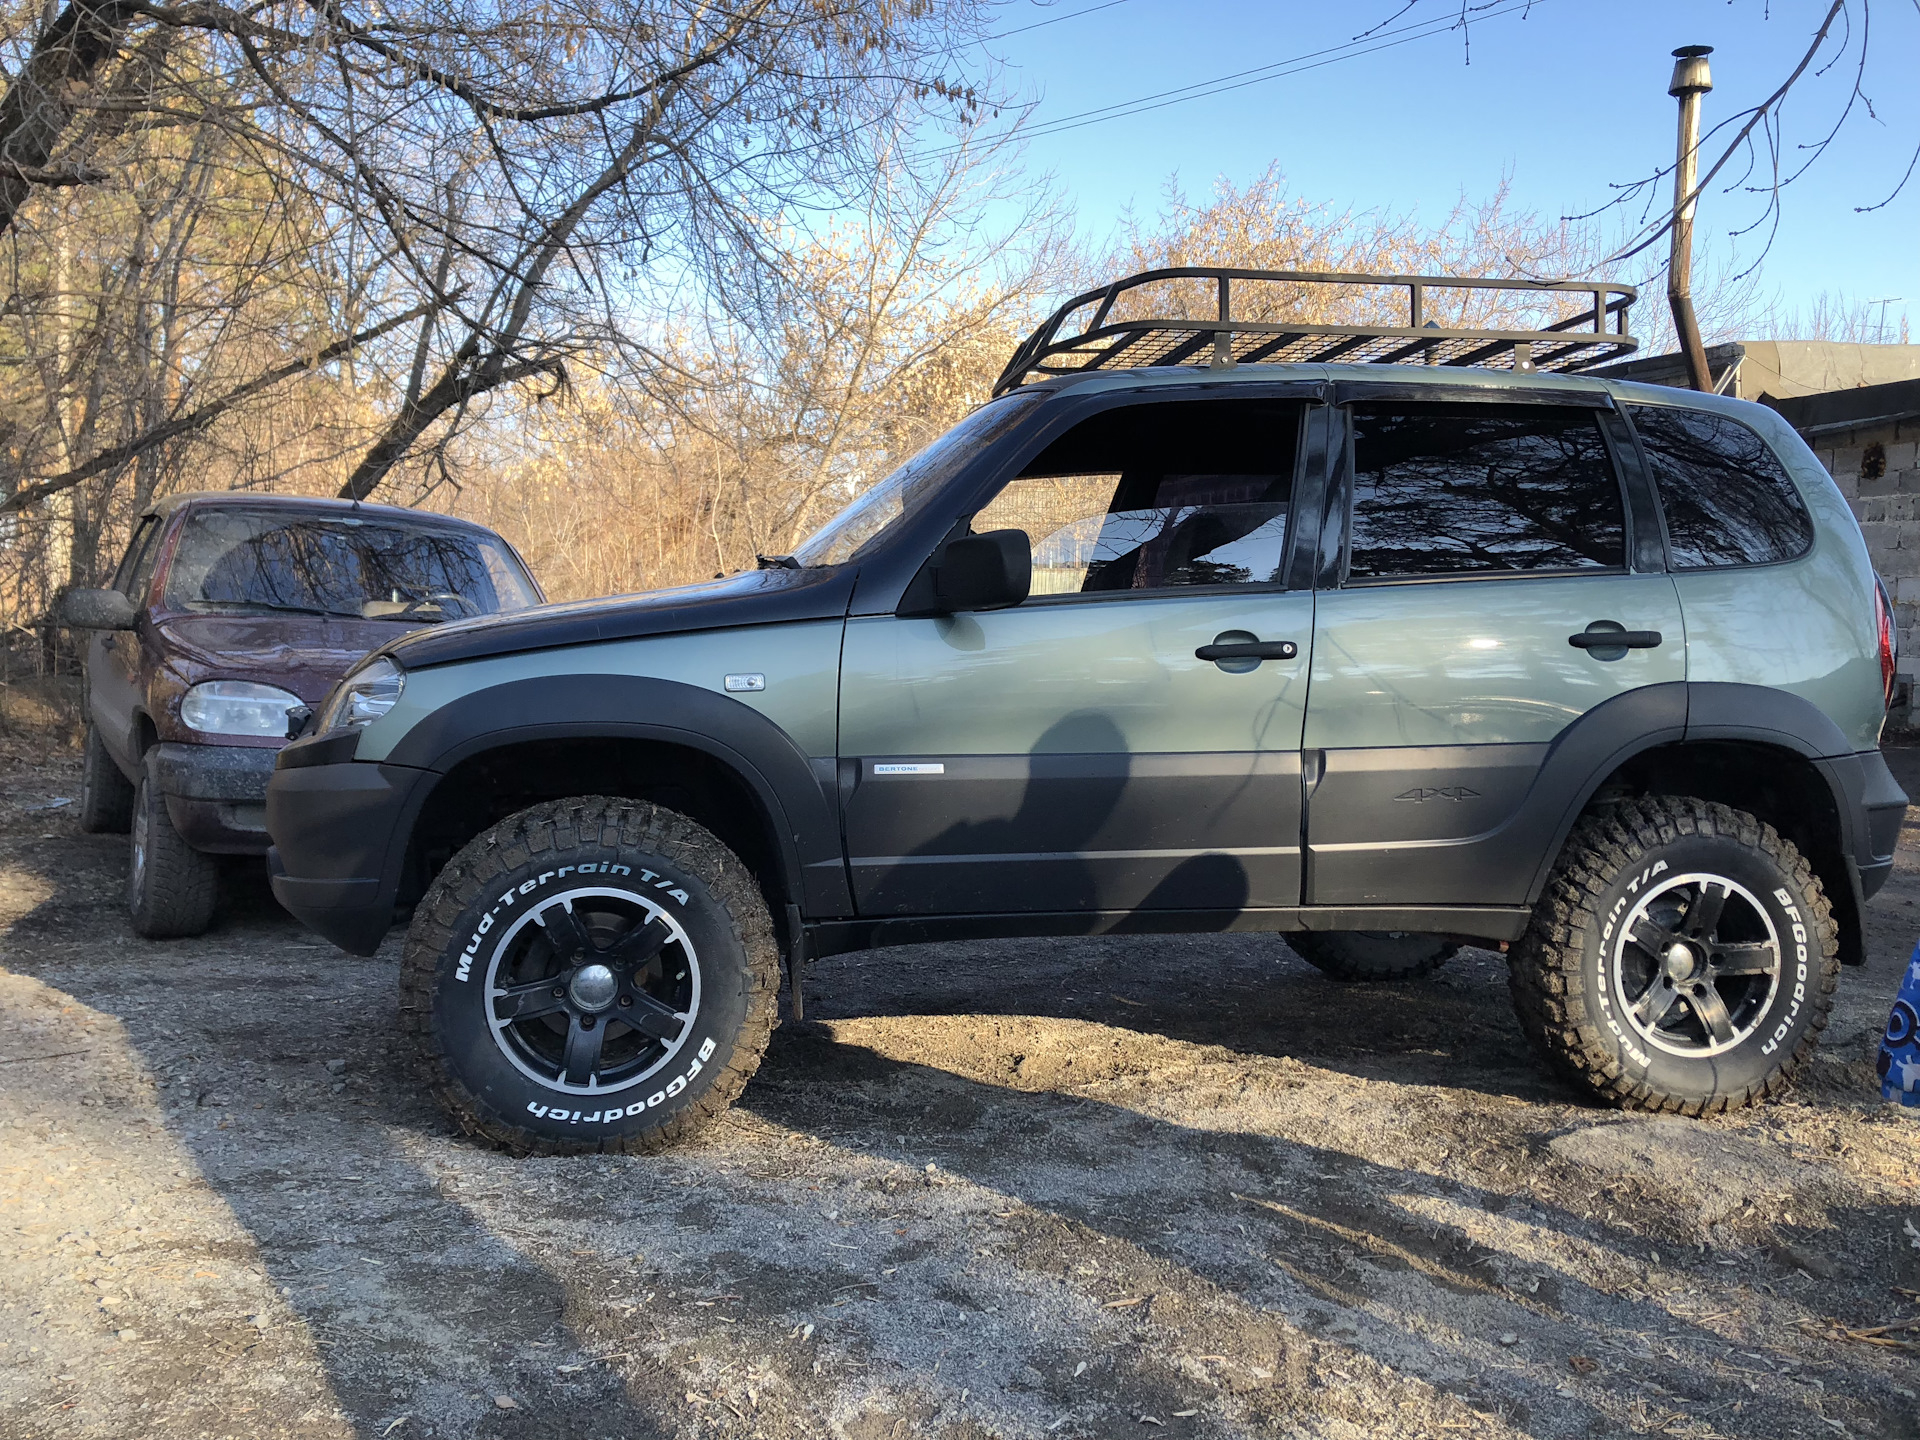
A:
(172, 889)
(591, 974)
(1683, 958)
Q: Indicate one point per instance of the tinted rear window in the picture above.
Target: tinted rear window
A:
(1481, 489)
(1728, 499)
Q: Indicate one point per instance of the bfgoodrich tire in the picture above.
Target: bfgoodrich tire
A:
(106, 796)
(591, 974)
(172, 889)
(1682, 959)
(1364, 955)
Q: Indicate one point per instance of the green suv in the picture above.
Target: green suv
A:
(1384, 657)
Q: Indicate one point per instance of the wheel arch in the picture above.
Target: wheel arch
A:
(726, 766)
(1757, 749)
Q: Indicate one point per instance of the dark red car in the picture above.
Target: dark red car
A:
(229, 613)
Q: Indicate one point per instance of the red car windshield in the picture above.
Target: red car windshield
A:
(252, 560)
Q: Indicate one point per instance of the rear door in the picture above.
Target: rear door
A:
(1076, 753)
(1487, 558)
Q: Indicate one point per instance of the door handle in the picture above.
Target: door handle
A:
(1611, 635)
(1248, 650)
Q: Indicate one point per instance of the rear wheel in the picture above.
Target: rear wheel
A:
(1683, 958)
(106, 796)
(591, 974)
(172, 888)
(1361, 955)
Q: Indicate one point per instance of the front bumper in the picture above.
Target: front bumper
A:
(216, 794)
(339, 845)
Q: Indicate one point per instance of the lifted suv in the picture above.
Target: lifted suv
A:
(1383, 657)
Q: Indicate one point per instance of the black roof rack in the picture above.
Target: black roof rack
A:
(1141, 338)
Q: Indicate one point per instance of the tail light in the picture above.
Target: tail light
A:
(1889, 650)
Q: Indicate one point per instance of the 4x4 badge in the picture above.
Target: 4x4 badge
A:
(1445, 792)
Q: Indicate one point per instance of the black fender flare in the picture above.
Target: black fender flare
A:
(1613, 733)
(803, 822)
(1581, 758)
(1722, 710)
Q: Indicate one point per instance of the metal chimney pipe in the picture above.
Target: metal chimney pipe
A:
(1691, 80)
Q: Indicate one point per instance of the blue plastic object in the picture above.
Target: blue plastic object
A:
(1900, 1046)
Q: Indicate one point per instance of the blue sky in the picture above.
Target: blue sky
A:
(1561, 96)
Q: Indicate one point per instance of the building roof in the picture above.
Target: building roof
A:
(1850, 409)
(1779, 369)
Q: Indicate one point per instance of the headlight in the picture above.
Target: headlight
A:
(238, 707)
(363, 697)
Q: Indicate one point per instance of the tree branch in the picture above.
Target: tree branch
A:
(205, 415)
(1759, 113)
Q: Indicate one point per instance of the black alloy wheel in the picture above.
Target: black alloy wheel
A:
(1682, 960)
(1696, 964)
(593, 974)
(592, 990)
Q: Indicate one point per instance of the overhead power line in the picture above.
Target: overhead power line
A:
(1054, 20)
(1260, 74)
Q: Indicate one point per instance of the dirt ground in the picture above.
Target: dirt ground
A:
(1122, 1187)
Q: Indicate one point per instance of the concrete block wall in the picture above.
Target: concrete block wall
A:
(1888, 507)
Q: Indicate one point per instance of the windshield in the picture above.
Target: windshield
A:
(259, 560)
(907, 490)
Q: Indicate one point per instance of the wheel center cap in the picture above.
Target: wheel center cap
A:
(593, 987)
(1681, 962)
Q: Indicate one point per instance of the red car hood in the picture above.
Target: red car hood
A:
(306, 654)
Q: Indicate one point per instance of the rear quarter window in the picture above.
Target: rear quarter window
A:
(1727, 498)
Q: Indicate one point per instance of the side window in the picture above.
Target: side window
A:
(1155, 497)
(1728, 500)
(1481, 489)
(136, 568)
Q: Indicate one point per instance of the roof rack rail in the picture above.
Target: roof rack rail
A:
(1222, 341)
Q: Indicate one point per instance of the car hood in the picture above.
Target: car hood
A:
(758, 597)
(306, 654)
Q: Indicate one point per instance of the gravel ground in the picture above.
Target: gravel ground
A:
(1118, 1187)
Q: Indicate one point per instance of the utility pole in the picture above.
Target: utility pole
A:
(1691, 80)
(1880, 330)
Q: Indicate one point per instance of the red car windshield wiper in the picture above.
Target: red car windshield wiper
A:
(281, 609)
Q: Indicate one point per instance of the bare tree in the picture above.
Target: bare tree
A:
(1755, 152)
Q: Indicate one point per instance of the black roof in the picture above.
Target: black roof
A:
(1849, 409)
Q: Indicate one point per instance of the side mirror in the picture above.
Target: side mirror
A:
(983, 572)
(97, 610)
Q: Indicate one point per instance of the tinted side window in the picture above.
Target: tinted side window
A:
(1466, 489)
(1727, 498)
(138, 549)
(149, 556)
(1154, 497)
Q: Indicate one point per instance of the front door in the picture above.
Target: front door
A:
(1486, 543)
(1076, 752)
(113, 656)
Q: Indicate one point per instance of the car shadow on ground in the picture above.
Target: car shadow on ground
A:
(434, 1274)
(1246, 992)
